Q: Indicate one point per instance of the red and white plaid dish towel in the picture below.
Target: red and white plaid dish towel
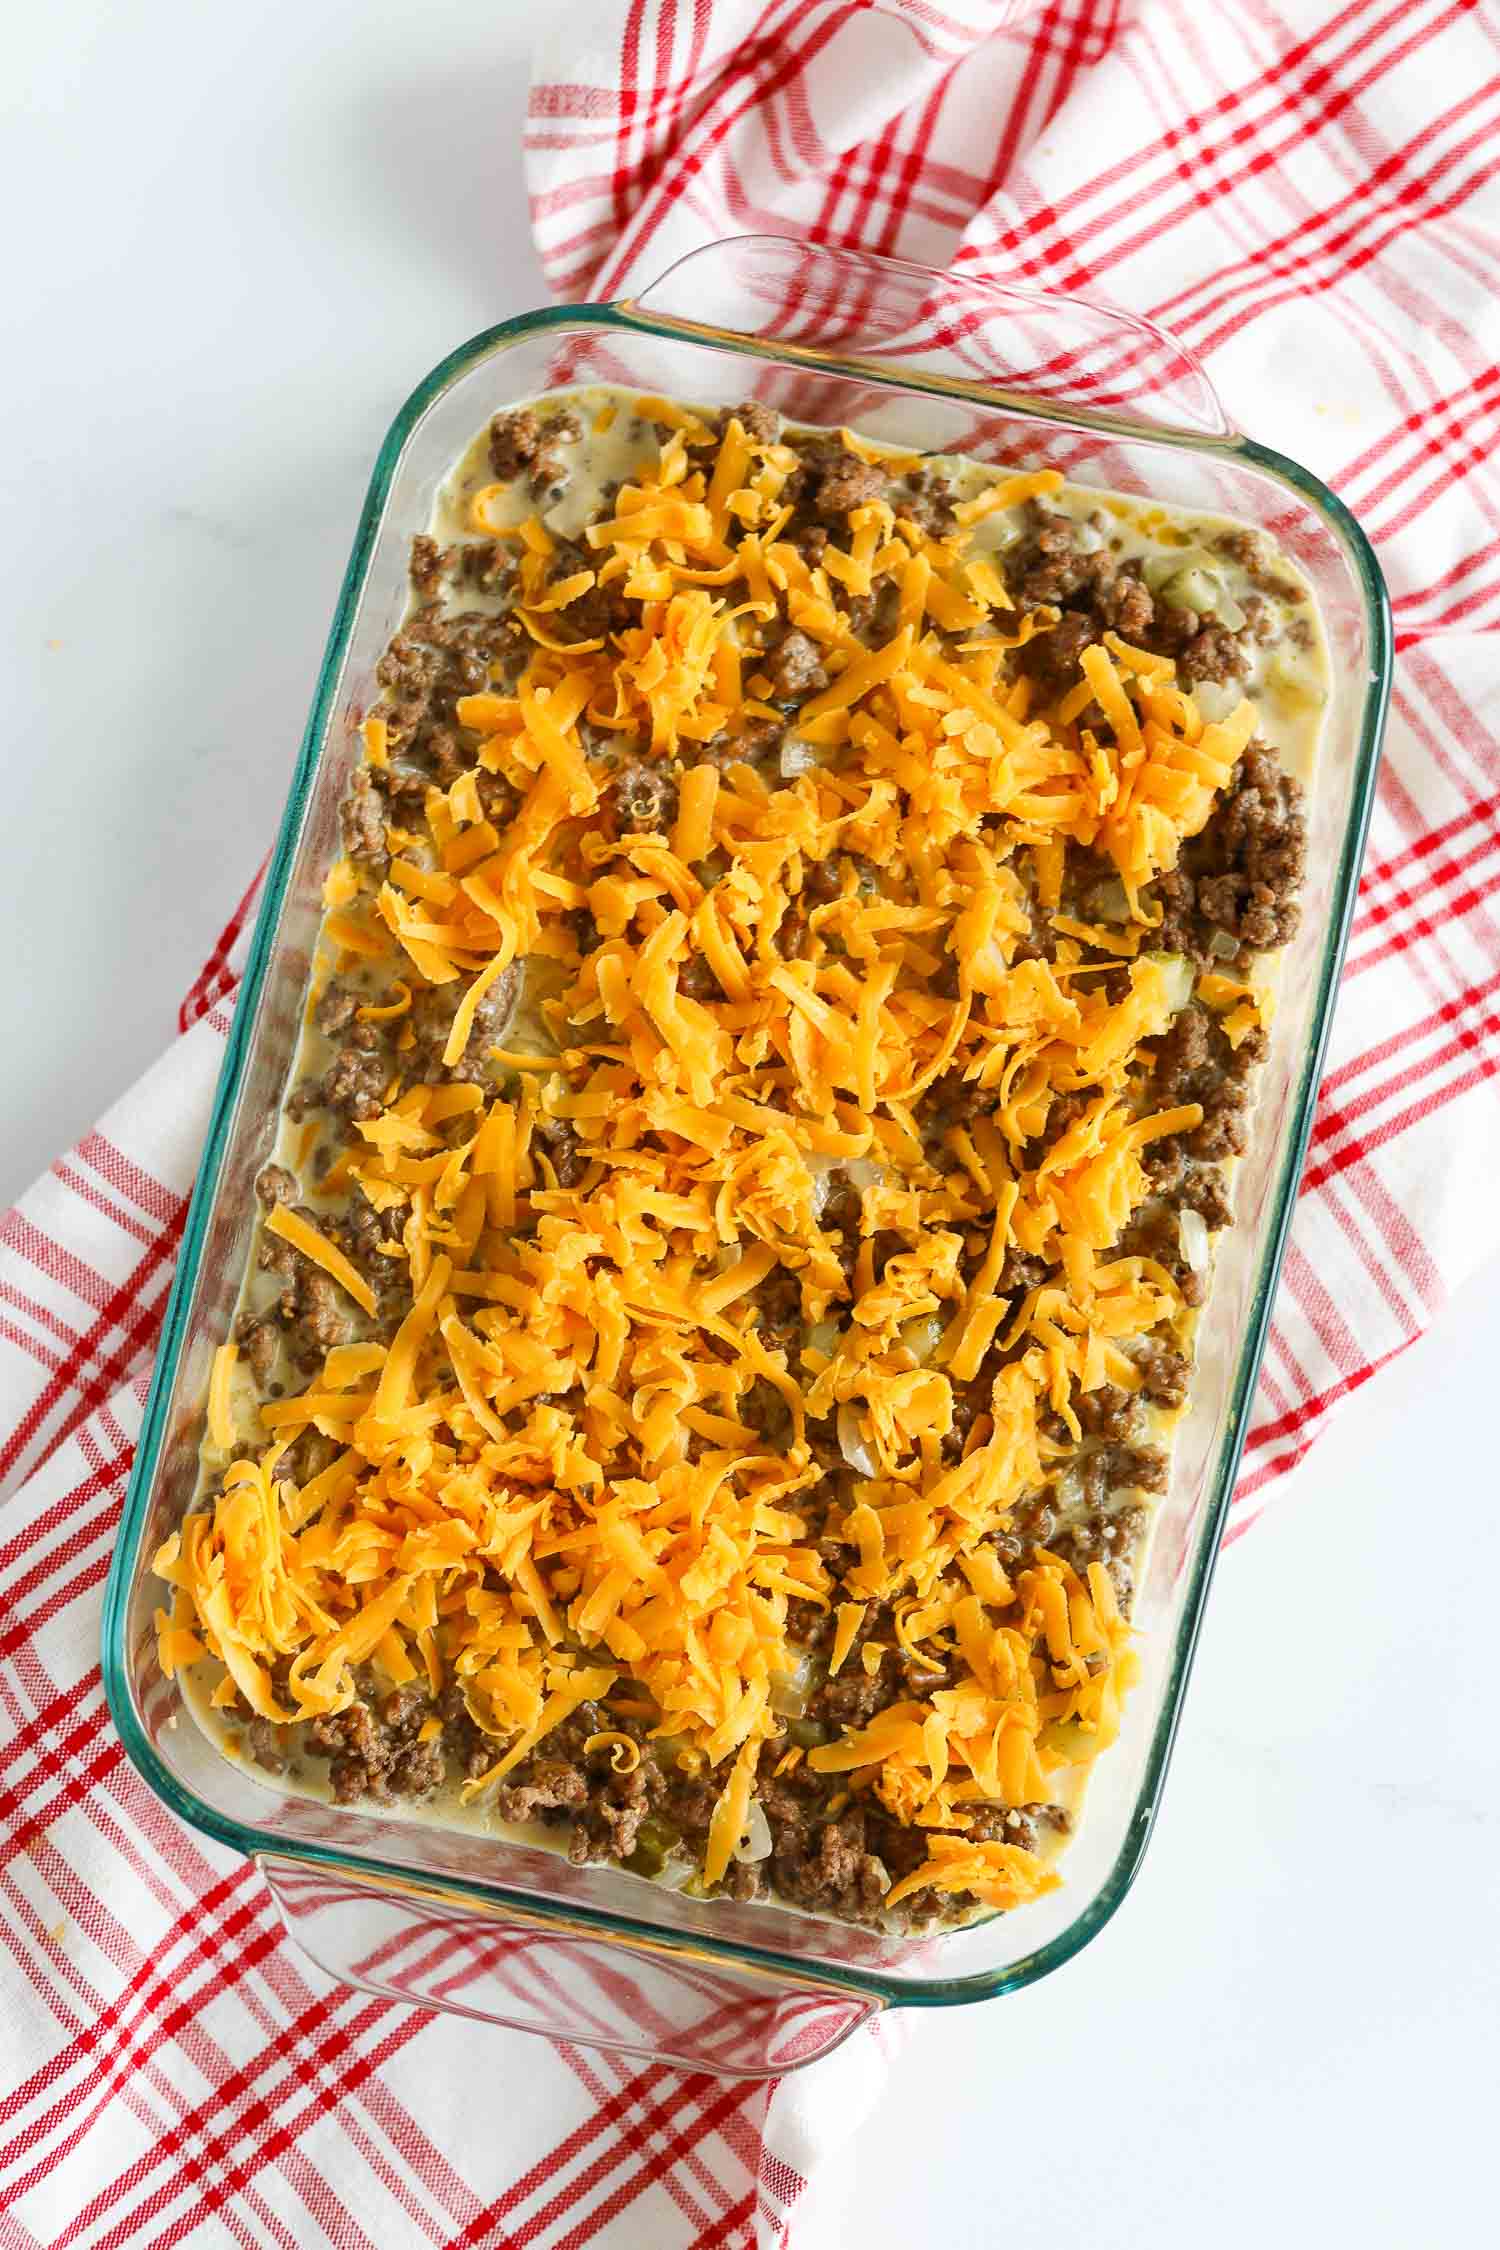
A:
(1307, 195)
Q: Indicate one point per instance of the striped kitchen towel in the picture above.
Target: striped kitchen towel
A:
(1306, 195)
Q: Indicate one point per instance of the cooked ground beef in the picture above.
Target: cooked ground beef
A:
(810, 539)
(431, 1021)
(260, 1341)
(872, 618)
(1153, 1232)
(609, 1822)
(1213, 653)
(840, 1215)
(373, 1750)
(354, 1081)
(560, 1143)
(446, 753)
(1072, 566)
(793, 937)
(433, 660)
(1060, 563)
(759, 744)
(1105, 1413)
(585, 931)
(1240, 878)
(795, 668)
(499, 801)
(514, 442)
(311, 1312)
(335, 1009)
(1164, 1373)
(459, 651)
(550, 465)
(1051, 659)
(1033, 1524)
(1108, 1534)
(831, 1867)
(1130, 600)
(553, 1786)
(1201, 1189)
(1182, 1055)
(644, 799)
(313, 1300)
(362, 821)
(762, 422)
(698, 981)
(1253, 552)
(598, 612)
(1196, 1063)
(263, 1741)
(846, 483)
(926, 499)
(364, 1235)
(1024, 1825)
(778, 1304)
(489, 564)
(429, 565)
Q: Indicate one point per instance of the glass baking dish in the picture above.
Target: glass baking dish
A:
(511, 1934)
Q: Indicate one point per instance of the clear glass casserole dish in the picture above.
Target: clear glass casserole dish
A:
(498, 1930)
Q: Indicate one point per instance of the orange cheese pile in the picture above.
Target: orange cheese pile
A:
(578, 1471)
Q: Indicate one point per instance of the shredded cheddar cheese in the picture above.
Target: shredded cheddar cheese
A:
(556, 1481)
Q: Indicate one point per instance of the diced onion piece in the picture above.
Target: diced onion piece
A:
(1178, 970)
(1107, 901)
(852, 1444)
(1223, 945)
(1192, 1234)
(922, 1336)
(1287, 675)
(1216, 698)
(797, 757)
(755, 1844)
(1192, 587)
(790, 1690)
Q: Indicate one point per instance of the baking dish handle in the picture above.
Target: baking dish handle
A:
(1059, 354)
(433, 1948)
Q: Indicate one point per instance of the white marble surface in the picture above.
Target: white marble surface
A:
(239, 235)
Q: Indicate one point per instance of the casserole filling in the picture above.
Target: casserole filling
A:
(787, 1011)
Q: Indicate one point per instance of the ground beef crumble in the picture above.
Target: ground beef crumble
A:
(796, 668)
(515, 440)
(643, 799)
(846, 484)
(373, 1748)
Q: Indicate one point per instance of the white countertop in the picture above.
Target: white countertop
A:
(239, 236)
